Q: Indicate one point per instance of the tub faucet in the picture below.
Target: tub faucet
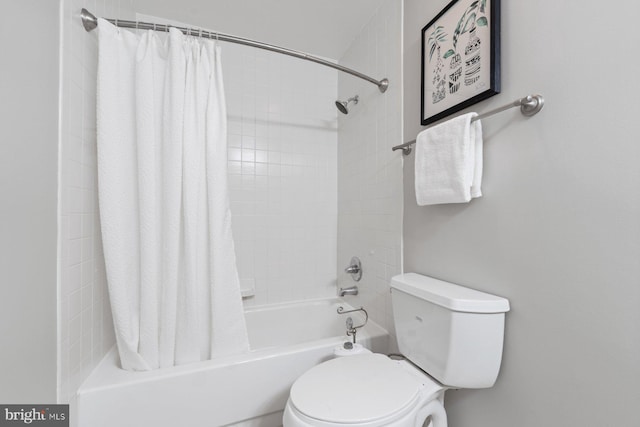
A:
(351, 290)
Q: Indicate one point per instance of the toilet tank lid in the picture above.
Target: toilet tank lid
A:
(448, 295)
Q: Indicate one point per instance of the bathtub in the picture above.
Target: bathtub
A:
(250, 390)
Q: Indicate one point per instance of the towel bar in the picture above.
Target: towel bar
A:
(529, 106)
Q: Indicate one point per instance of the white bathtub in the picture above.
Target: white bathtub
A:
(249, 390)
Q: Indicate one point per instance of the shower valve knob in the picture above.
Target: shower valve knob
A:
(354, 269)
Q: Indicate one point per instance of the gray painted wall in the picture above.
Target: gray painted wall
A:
(28, 200)
(558, 229)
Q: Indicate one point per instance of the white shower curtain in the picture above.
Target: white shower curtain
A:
(164, 204)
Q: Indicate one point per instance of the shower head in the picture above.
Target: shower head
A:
(342, 105)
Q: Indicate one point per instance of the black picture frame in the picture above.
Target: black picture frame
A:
(460, 32)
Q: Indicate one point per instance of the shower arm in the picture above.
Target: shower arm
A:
(90, 22)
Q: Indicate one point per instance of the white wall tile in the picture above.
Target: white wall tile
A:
(86, 332)
(369, 173)
(280, 152)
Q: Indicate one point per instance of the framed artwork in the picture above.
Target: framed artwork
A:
(460, 58)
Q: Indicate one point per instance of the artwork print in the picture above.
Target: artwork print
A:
(460, 58)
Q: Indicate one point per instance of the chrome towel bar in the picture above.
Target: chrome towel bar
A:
(529, 106)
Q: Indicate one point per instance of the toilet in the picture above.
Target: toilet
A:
(449, 336)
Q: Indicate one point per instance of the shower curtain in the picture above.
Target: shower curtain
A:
(164, 204)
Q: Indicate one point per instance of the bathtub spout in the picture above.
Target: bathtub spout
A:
(351, 290)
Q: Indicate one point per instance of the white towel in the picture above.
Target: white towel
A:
(448, 166)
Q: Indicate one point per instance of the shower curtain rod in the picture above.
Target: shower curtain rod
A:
(90, 22)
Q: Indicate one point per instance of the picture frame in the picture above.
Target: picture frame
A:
(460, 58)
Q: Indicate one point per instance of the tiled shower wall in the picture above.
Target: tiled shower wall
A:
(369, 173)
(85, 327)
(282, 160)
(283, 173)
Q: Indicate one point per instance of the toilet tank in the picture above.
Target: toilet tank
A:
(453, 333)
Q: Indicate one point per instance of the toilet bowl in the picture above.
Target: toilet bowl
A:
(451, 336)
(365, 390)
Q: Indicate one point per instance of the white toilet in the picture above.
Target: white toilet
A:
(451, 337)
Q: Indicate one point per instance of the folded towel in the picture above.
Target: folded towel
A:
(448, 166)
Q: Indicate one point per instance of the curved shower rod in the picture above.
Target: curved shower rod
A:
(90, 22)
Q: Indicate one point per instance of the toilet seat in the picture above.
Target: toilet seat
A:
(364, 390)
